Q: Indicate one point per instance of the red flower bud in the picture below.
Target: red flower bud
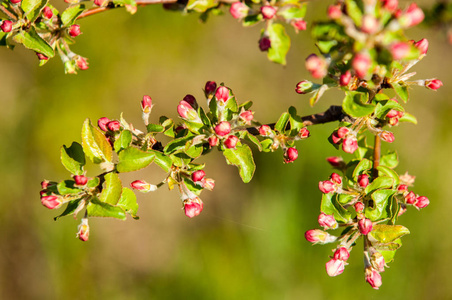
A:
(399, 50)
(412, 16)
(80, 179)
(327, 221)
(335, 161)
(222, 94)
(341, 254)
(51, 201)
(6, 26)
(198, 175)
(345, 78)
(231, 142)
(291, 155)
(146, 104)
(213, 141)
(265, 130)
(433, 84)
(143, 186)
(363, 180)
(208, 183)
(247, 116)
(15, 1)
(392, 113)
(114, 125)
(210, 87)
(193, 207)
(359, 206)
(336, 178)
(268, 12)
(402, 188)
(41, 56)
(187, 112)
(350, 144)
(304, 133)
(47, 12)
(82, 64)
(318, 236)
(83, 230)
(373, 278)
(422, 202)
(370, 24)
(316, 66)
(100, 2)
(390, 5)
(334, 11)
(361, 64)
(365, 226)
(102, 123)
(299, 24)
(335, 267)
(342, 132)
(264, 43)
(336, 139)
(190, 99)
(410, 198)
(327, 187)
(422, 45)
(223, 128)
(378, 262)
(239, 10)
(74, 30)
(303, 87)
(387, 136)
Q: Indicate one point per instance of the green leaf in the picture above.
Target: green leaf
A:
(123, 141)
(280, 43)
(73, 158)
(401, 90)
(383, 107)
(32, 8)
(162, 160)
(251, 20)
(382, 182)
(408, 118)
(390, 160)
(33, 41)
(96, 208)
(70, 208)
(331, 206)
(69, 16)
(266, 145)
(177, 145)
(388, 233)
(296, 123)
(128, 202)
(201, 5)
(253, 139)
(388, 255)
(93, 182)
(194, 151)
(155, 128)
(133, 159)
(354, 12)
(354, 105)
(282, 122)
(95, 144)
(382, 170)
(242, 157)
(113, 188)
(293, 12)
(380, 207)
(362, 167)
(68, 187)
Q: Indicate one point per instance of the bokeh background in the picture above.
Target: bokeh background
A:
(249, 241)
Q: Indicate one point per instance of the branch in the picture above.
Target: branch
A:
(377, 153)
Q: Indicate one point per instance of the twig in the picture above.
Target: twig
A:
(8, 13)
(377, 153)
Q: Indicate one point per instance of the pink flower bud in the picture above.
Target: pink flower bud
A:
(208, 183)
(102, 123)
(334, 11)
(268, 12)
(361, 64)
(318, 236)
(299, 25)
(336, 178)
(327, 187)
(402, 188)
(190, 99)
(41, 56)
(365, 226)
(345, 78)
(210, 87)
(363, 180)
(359, 206)
(143, 186)
(303, 87)
(114, 125)
(387, 136)
(231, 142)
(264, 43)
(213, 141)
(247, 116)
(222, 94)
(80, 179)
(223, 128)
(327, 221)
(433, 84)
(74, 30)
(390, 5)
(336, 139)
(370, 24)
(265, 130)
(193, 207)
(342, 132)
(377, 261)
(373, 278)
(82, 64)
(393, 121)
(421, 202)
(198, 175)
(392, 113)
(291, 155)
(187, 112)
(47, 12)
(335, 267)
(412, 16)
(341, 254)
(6, 26)
(399, 50)
(146, 104)
(304, 133)
(350, 144)
(410, 198)
(316, 66)
(239, 10)
(335, 161)
(83, 230)
(422, 45)
(15, 1)
(45, 184)
(51, 201)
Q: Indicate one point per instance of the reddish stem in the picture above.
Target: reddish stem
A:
(377, 153)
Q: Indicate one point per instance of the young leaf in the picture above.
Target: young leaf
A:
(401, 90)
(96, 208)
(123, 141)
(380, 205)
(282, 122)
(354, 105)
(70, 208)
(331, 206)
(162, 160)
(390, 160)
(73, 158)
(133, 159)
(95, 144)
(32, 8)
(382, 182)
(382, 170)
(280, 43)
(33, 41)
(113, 188)
(362, 166)
(201, 5)
(388, 233)
(67, 187)
(242, 157)
(128, 202)
(69, 16)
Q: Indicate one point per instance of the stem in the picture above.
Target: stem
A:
(8, 13)
(377, 153)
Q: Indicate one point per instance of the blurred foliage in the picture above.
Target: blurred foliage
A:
(249, 241)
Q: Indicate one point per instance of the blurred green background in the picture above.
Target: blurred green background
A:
(249, 241)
